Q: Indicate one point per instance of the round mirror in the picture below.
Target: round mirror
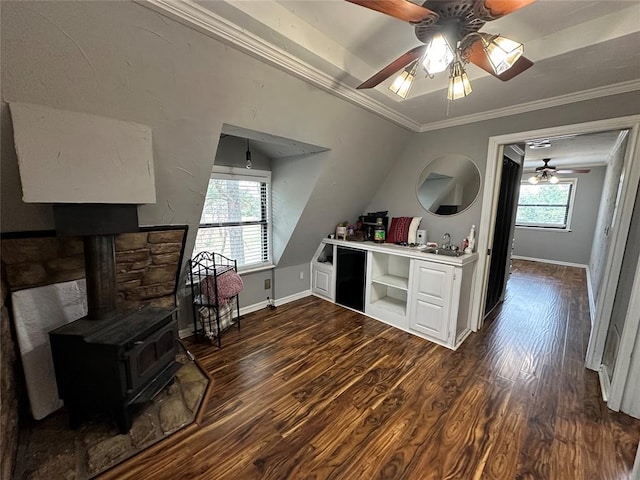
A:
(448, 185)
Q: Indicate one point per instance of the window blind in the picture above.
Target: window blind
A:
(235, 219)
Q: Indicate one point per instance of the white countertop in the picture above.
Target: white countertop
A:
(405, 251)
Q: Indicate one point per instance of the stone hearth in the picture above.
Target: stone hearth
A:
(50, 449)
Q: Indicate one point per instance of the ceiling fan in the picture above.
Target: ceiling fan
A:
(449, 30)
(548, 173)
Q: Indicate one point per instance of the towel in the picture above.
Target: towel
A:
(229, 285)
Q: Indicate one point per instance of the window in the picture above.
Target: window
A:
(235, 219)
(546, 205)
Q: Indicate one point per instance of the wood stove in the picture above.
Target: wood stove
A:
(109, 365)
(109, 360)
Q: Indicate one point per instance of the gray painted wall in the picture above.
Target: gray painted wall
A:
(124, 61)
(121, 60)
(567, 246)
(232, 152)
(398, 192)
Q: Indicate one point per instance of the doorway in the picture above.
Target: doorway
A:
(503, 233)
(618, 233)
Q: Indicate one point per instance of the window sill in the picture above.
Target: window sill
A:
(261, 268)
(544, 229)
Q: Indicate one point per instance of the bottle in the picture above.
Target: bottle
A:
(379, 233)
(472, 240)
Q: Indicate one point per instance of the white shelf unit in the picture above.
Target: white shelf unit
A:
(424, 294)
(389, 285)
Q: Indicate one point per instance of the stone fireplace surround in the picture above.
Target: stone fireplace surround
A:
(147, 266)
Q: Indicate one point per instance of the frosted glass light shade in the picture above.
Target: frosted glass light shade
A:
(533, 180)
(501, 52)
(459, 86)
(438, 55)
(402, 84)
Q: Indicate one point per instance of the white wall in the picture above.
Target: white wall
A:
(606, 210)
(572, 246)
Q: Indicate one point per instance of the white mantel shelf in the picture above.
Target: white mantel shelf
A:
(405, 252)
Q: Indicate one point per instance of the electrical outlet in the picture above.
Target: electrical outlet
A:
(267, 283)
(301, 275)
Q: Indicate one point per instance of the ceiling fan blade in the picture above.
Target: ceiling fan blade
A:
(574, 170)
(400, 9)
(499, 8)
(478, 57)
(398, 64)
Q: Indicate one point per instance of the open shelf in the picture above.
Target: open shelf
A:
(391, 304)
(395, 281)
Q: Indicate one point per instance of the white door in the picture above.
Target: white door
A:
(431, 305)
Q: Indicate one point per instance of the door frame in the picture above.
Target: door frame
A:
(619, 232)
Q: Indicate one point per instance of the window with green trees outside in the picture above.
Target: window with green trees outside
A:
(546, 205)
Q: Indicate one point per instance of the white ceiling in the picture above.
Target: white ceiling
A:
(582, 49)
(592, 150)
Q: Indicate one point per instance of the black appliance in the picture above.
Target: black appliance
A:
(109, 365)
(109, 360)
(350, 277)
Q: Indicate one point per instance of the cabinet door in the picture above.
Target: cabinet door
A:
(431, 299)
(323, 282)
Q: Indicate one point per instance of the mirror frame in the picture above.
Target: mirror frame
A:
(447, 159)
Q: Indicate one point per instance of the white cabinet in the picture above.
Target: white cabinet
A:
(425, 294)
(431, 306)
(323, 281)
(322, 272)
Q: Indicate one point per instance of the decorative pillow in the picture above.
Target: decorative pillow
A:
(399, 230)
(413, 230)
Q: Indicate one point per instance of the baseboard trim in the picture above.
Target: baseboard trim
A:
(187, 332)
(553, 262)
(293, 298)
(605, 385)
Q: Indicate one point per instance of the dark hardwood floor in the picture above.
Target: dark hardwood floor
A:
(315, 391)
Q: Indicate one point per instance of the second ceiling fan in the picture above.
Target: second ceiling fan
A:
(449, 30)
(548, 173)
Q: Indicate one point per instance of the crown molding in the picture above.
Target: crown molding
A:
(199, 18)
(591, 94)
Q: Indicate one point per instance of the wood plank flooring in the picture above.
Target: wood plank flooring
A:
(314, 391)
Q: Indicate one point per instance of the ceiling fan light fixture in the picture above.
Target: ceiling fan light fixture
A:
(553, 179)
(438, 55)
(459, 85)
(533, 180)
(402, 84)
(501, 52)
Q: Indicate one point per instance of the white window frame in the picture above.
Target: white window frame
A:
(264, 176)
(552, 227)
